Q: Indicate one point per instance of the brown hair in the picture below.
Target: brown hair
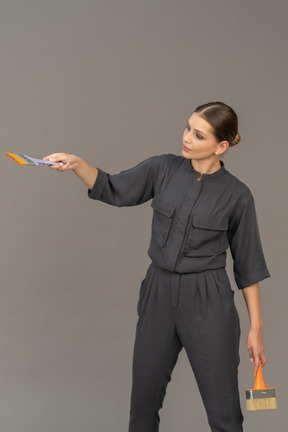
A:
(223, 120)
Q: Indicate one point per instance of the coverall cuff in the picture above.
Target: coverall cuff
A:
(257, 276)
(99, 185)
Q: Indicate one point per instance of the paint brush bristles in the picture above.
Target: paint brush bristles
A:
(261, 397)
(20, 159)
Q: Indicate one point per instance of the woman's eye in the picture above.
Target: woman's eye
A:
(197, 135)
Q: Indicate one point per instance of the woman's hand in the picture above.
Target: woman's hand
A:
(86, 173)
(66, 161)
(255, 348)
(255, 344)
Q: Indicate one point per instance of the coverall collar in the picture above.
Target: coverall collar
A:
(214, 175)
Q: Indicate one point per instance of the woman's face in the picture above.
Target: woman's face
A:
(198, 139)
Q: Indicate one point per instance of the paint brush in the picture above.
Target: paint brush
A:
(262, 397)
(22, 159)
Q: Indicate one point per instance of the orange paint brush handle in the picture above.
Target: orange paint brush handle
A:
(259, 382)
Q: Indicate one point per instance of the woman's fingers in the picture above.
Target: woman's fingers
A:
(62, 167)
(256, 364)
(54, 157)
(66, 161)
(257, 358)
(255, 348)
(263, 359)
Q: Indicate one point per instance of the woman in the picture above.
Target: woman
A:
(185, 300)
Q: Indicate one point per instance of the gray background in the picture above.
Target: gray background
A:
(114, 82)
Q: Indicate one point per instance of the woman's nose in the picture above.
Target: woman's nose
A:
(186, 136)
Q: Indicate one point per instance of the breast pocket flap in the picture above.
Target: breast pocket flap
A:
(210, 222)
(163, 207)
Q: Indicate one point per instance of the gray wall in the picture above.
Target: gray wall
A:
(114, 81)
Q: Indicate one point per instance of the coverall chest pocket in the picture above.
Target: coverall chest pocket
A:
(207, 236)
(162, 220)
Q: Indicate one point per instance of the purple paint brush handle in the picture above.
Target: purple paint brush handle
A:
(41, 161)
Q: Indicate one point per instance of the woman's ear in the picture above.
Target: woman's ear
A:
(222, 147)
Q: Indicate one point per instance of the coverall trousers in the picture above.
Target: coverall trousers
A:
(195, 311)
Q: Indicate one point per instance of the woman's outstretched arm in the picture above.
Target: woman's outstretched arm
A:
(255, 344)
(86, 173)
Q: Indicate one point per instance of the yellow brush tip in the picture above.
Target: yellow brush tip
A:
(16, 158)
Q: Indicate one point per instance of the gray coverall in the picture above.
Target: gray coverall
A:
(186, 299)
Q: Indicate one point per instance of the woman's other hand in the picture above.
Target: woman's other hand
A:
(255, 343)
(255, 348)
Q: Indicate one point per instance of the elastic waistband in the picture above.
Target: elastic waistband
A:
(169, 272)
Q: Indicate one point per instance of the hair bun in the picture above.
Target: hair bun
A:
(236, 140)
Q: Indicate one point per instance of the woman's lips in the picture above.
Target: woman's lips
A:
(185, 148)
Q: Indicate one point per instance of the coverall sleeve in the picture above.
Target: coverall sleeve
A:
(245, 245)
(131, 187)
